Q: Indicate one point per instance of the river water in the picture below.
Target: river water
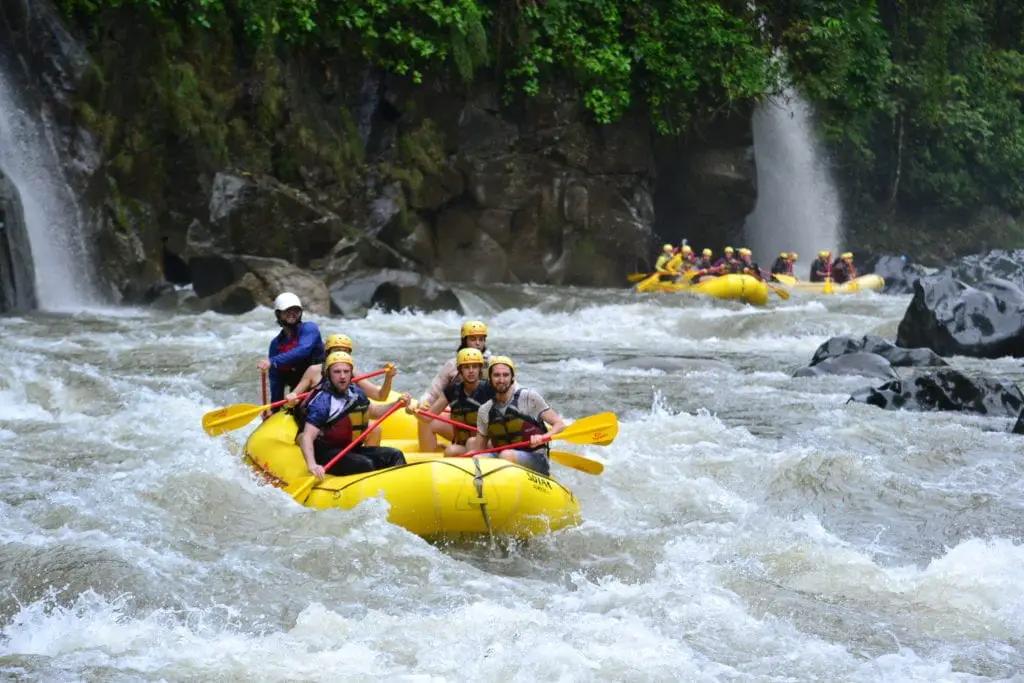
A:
(749, 526)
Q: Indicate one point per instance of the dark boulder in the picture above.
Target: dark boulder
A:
(869, 343)
(390, 290)
(948, 390)
(856, 363)
(998, 264)
(898, 272)
(953, 318)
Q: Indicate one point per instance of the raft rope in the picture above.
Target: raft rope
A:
(478, 482)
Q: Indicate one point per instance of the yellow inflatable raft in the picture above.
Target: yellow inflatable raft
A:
(732, 286)
(864, 282)
(431, 496)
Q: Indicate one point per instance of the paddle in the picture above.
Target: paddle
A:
(576, 462)
(300, 493)
(637, 277)
(598, 429)
(783, 294)
(222, 420)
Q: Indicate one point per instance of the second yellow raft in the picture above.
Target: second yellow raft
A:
(733, 286)
(864, 282)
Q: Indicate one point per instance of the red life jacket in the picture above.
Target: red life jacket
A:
(343, 428)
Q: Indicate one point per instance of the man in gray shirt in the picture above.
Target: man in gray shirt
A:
(514, 417)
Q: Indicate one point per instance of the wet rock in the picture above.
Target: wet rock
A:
(898, 272)
(852, 363)
(391, 290)
(998, 264)
(953, 318)
(17, 274)
(947, 390)
(1018, 428)
(251, 281)
(261, 216)
(869, 343)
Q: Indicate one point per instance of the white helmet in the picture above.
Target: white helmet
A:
(285, 301)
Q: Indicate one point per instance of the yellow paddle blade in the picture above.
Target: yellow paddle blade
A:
(637, 277)
(597, 429)
(217, 422)
(577, 462)
(300, 489)
(828, 288)
(783, 294)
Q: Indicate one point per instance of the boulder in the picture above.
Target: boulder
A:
(1018, 427)
(391, 290)
(853, 363)
(17, 274)
(953, 318)
(998, 264)
(869, 343)
(946, 389)
(253, 281)
(898, 272)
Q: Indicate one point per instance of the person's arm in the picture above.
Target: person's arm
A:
(436, 407)
(441, 380)
(377, 410)
(309, 335)
(306, 439)
(308, 381)
(479, 441)
(384, 390)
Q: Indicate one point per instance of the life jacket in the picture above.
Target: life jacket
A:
(781, 265)
(291, 375)
(342, 428)
(513, 426)
(464, 408)
(300, 409)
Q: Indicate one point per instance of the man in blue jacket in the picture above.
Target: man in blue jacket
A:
(298, 346)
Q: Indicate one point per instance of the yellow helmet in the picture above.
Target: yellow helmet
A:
(473, 327)
(793, 255)
(338, 357)
(501, 360)
(847, 254)
(469, 356)
(338, 341)
(784, 255)
(667, 247)
(828, 252)
(822, 254)
(744, 251)
(687, 249)
(728, 250)
(706, 252)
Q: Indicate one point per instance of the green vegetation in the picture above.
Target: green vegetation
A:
(921, 99)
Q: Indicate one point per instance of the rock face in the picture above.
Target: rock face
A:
(953, 318)
(191, 153)
(899, 274)
(17, 276)
(998, 264)
(946, 389)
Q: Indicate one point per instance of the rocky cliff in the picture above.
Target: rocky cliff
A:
(245, 170)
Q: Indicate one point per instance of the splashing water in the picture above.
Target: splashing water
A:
(798, 207)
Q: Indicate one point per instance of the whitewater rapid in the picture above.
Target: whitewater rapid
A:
(749, 526)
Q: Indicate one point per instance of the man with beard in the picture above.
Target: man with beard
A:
(515, 414)
(464, 397)
(294, 349)
(473, 336)
(336, 416)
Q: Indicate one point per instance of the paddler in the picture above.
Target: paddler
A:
(314, 380)
(728, 263)
(820, 267)
(667, 252)
(843, 269)
(515, 414)
(294, 349)
(782, 265)
(338, 415)
(704, 263)
(464, 397)
(473, 335)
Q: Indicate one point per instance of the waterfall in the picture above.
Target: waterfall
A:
(798, 206)
(53, 220)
